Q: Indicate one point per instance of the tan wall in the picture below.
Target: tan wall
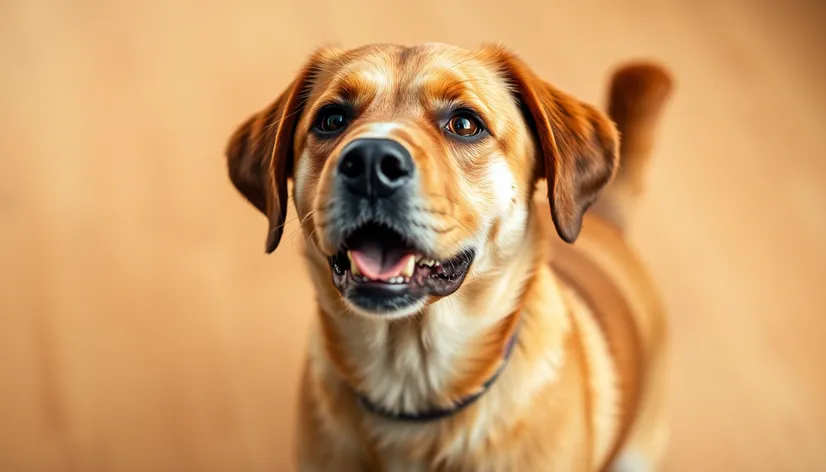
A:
(143, 329)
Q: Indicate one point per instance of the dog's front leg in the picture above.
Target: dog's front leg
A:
(321, 452)
(325, 443)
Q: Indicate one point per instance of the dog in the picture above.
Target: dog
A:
(455, 332)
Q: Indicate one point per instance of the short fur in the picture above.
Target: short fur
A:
(583, 387)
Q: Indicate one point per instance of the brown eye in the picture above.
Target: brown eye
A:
(331, 120)
(464, 125)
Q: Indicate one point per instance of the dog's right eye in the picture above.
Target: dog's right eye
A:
(331, 119)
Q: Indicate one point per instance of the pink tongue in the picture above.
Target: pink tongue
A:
(377, 263)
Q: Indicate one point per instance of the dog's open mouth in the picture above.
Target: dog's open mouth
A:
(379, 270)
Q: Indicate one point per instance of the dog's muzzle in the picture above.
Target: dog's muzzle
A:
(383, 260)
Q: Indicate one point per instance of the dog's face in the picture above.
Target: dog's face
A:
(414, 166)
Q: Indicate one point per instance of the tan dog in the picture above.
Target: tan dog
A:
(445, 339)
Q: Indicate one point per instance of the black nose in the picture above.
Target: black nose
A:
(374, 167)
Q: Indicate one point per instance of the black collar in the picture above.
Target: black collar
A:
(439, 413)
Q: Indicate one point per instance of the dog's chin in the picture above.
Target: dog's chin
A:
(389, 313)
(381, 274)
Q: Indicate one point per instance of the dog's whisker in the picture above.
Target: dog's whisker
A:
(301, 224)
(457, 222)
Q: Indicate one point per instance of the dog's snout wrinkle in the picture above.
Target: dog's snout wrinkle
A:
(373, 167)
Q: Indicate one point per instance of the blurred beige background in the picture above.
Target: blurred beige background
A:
(143, 329)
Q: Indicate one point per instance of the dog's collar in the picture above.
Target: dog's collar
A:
(439, 413)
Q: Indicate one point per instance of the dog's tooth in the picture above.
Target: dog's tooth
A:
(409, 267)
(419, 257)
(353, 267)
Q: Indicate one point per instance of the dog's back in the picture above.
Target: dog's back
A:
(610, 279)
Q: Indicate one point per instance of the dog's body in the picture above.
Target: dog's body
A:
(455, 299)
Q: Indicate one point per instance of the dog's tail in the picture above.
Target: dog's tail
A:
(638, 94)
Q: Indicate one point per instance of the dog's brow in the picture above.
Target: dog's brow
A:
(377, 77)
(445, 90)
(354, 87)
(444, 86)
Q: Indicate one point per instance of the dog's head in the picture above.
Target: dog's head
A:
(412, 165)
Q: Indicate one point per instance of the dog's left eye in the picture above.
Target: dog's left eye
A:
(464, 124)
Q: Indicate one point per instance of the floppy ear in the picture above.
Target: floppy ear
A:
(578, 146)
(260, 152)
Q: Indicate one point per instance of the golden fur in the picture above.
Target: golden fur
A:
(582, 389)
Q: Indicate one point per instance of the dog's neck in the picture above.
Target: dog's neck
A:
(442, 355)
